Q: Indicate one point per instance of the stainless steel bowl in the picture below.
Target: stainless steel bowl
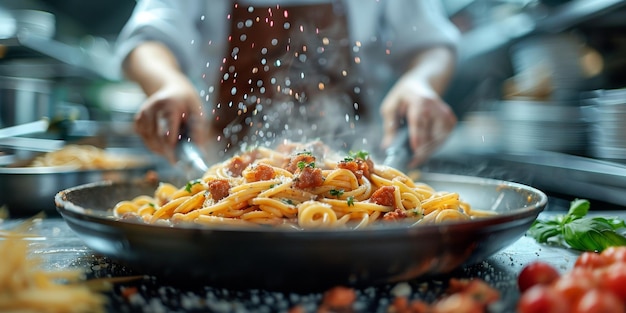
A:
(30, 190)
(316, 259)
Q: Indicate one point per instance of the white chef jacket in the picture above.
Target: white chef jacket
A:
(386, 34)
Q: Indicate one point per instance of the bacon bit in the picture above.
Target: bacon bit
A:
(292, 164)
(238, 164)
(297, 309)
(351, 166)
(151, 176)
(359, 167)
(260, 172)
(309, 177)
(395, 215)
(462, 296)
(478, 289)
(457, 303)
(219, 189)
(127, 292)
(384, 196)
(339, 297)
(402, 305)
(418, 306)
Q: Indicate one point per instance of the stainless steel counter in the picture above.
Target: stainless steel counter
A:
(564, 175)
(60, 249)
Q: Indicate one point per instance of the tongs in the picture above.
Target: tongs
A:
(398, 154)
(12, 136)
(39, 126)
(189, 157)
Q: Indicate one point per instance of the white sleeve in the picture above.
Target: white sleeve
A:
(171, 22)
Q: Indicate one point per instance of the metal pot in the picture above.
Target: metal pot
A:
(24, 100)
(30, 190)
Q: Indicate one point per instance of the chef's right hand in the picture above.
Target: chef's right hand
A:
(161, 116)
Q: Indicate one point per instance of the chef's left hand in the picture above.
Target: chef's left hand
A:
(430, 120)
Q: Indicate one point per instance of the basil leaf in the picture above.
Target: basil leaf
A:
(591, 234)
(577, 209)
(542, 231)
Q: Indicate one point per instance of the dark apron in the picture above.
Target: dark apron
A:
(288, 74)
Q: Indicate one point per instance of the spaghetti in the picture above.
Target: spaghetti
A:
(83, 157)
(301, 187)
(26, 287)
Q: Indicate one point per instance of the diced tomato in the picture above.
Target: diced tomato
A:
(614, 254)
(542, 298)
(598, 301)
(590, 260)
(614, 280)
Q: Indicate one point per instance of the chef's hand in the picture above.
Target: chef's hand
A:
(429, 119)
(172, 100)
(161, 117)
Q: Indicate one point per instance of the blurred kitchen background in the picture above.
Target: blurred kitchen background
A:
(538, 87)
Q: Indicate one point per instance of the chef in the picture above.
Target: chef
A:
(257, 71)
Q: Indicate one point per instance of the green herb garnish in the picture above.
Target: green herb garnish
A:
(287, 201)
(191, 183)
(302, 165)
(336, 193)
(578, 231)
(360, 154)
(350, 201)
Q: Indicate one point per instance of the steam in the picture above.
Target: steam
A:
(304, 87)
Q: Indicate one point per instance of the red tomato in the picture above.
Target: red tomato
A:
(614, 280)
(590, 260)
(541, 298)
(573, 287)
(536, 273)
(458, 303)
(614, 254)
(596, 301)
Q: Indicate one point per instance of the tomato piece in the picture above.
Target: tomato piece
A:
(458, 303)
(614, 280)
(542, 298)
(536, 273)
(591, 260)
(596, 301)
(614, 254)
(575, 284)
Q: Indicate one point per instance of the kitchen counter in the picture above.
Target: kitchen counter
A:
(61, 249)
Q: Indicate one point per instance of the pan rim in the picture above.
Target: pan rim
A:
(67, 208)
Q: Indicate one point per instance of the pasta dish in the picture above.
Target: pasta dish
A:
(298, 186)
(83, 157)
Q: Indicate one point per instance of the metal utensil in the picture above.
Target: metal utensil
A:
(398, 154)
(189, 157)
(25, 129)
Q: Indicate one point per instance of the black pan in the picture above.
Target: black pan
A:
(281, 259)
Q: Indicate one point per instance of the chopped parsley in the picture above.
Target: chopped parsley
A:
(191, 183)
(350, 201)
(287, 201)
(304, 153)
(302, 165)
(356, 155)
(336, 193)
